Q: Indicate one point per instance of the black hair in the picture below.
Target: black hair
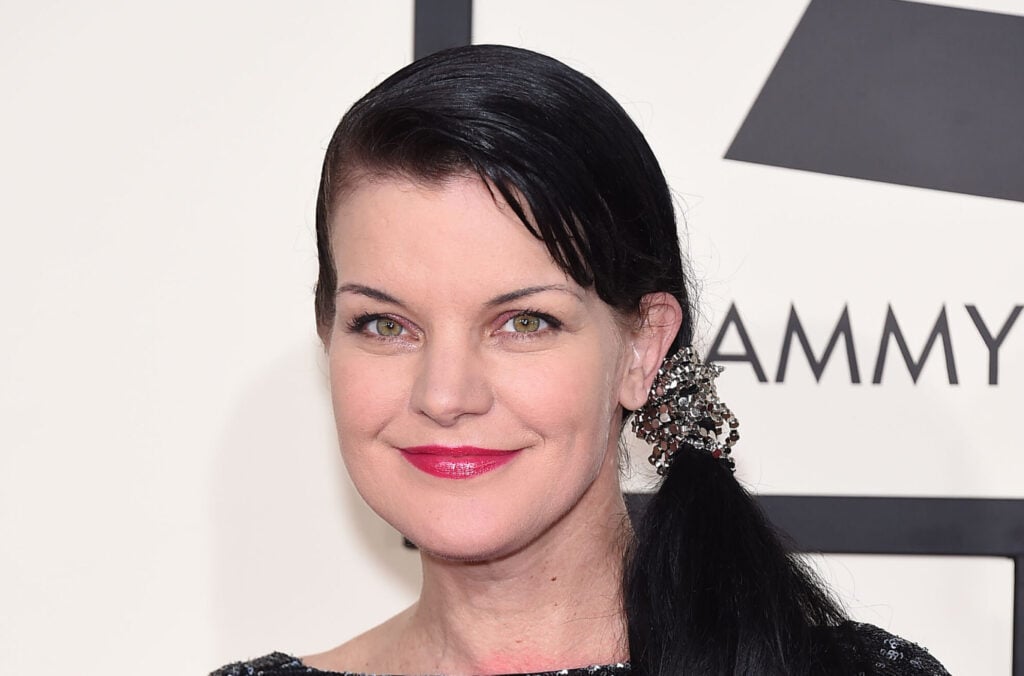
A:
(708, 588)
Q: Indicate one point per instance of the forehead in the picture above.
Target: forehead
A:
(453, 236)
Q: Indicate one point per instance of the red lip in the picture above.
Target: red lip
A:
(456, 462)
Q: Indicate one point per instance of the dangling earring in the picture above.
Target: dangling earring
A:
(683, 411)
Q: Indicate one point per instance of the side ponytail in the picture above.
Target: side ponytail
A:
(709, 588)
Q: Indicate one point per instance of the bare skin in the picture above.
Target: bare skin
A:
(522, 566)
(554, 605)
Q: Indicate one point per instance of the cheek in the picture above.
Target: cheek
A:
(366, 393)
(567, 397)
(365, 397)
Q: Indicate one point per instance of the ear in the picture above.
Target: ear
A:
(660, 317)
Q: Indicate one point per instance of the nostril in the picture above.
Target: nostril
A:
(450, 385)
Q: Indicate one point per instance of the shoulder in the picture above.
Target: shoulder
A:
(274, 664)
(371, 648)
(875, 651)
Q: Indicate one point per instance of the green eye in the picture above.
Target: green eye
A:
(387, 327)
(526, 323)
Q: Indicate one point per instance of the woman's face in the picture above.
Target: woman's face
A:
(476, 387)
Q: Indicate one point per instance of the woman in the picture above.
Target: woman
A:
(500, 282)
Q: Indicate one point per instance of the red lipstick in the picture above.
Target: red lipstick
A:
(456, 462)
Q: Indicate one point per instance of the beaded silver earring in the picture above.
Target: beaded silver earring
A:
(683, 411)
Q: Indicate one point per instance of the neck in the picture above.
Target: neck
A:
(555, 604)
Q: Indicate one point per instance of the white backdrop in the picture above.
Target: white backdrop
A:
(170, 495)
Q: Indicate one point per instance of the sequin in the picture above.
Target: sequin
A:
(868, 650)
(281, 664)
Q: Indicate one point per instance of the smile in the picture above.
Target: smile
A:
(458, 462)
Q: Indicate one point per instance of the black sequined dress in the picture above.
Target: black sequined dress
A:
(868, 650)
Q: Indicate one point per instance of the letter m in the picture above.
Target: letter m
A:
(892, 329)
(795, 328)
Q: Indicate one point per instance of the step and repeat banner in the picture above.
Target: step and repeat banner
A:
(850, 180)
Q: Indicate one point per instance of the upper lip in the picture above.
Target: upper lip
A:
(455, 451)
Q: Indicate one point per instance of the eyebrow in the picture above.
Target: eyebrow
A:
(369, 292)
(383, 297)
(529, 291)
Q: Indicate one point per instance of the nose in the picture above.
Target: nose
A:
(451, 383)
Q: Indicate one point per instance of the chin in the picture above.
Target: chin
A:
(463, 554)
(468, 542)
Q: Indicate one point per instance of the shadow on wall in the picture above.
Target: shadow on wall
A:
(300, 563)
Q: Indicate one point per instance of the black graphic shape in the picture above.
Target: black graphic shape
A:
(897, 525)
(900, 92)
(440, 24)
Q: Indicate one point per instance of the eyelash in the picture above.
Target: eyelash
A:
(552, 323)
(359, 323)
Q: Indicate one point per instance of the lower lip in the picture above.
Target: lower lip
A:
(456, 464)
